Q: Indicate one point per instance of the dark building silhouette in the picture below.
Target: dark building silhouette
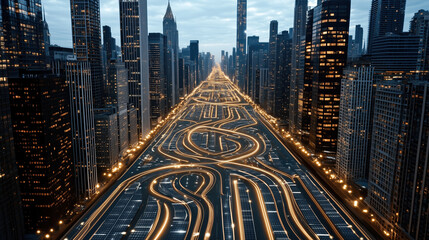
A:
(297, 67)
(157, 76)
(252, 45)
(385, 16)
(40, 105)
(170, 31)
(420, 26)
(330, 24)
(268, 90)
(85, 15)
(240, 67)
(283, 75)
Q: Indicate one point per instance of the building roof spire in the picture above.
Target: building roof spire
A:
(169, 13)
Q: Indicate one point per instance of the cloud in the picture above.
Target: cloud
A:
(211, 22)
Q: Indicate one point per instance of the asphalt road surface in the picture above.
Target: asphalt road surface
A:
(217, 172)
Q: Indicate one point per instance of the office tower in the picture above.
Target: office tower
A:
(297, 66)
(182, 86)
(282, 83)
(305, 86)
(157, 51)
(260, 59)
(195, 59)
(252, 44)
(357, 51)
(11, 218)
(420, 26)
(83, 129)
(40, 107)
(22, 27)
(85, 15)
(398, 163)
(106, 139)
(122, 107)
(133, 17)
(354, 127)
(170, 31)
(413, 214)
(396, 54)
(233, 64)
(331, 25)
(240, 67)
(268, 93)
(107, 43)
(385, 16)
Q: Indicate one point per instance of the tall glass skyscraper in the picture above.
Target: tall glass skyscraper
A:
(330, 35)
(134, 45)
(385, 16)
(298, 38)
(86, 30)
(170, 30)
(240, 71)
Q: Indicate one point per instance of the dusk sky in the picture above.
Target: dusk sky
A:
(213, 22)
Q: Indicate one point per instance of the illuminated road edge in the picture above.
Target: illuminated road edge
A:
(216, 172)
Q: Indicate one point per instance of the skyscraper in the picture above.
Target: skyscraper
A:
(297, 76)
(240, 69)
(40, 106)
(352, 158)
(252, 45)
(157, 76)
(413, 217)
(134, 32)
(268, 93)
(330, 25)
(194, 53)
(385, 16)
(420, 26)
(83, 128)
(282, 83)
(11, 218)
(85, 15)
(358, 41)
(170, 31)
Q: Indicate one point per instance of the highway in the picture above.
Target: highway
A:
(215, 171)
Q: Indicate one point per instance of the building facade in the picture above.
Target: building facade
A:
(240, 67)
(86, 31)
(134, 46)
(328, 58)
(352, 158)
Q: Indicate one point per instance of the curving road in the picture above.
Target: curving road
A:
(217, 172)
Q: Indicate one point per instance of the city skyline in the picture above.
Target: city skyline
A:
(313, 130)
(217, 36)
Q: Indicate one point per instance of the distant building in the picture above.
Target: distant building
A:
(58, 53)
(297, 66)
(252, 45)
(194, 55)
(240, 67)
(386, 16)
(352, 160)
(282, 83)
(157, 76)
(420, 26)
(267, 97)
(134, 32)
(85, 16)
(170, 31)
